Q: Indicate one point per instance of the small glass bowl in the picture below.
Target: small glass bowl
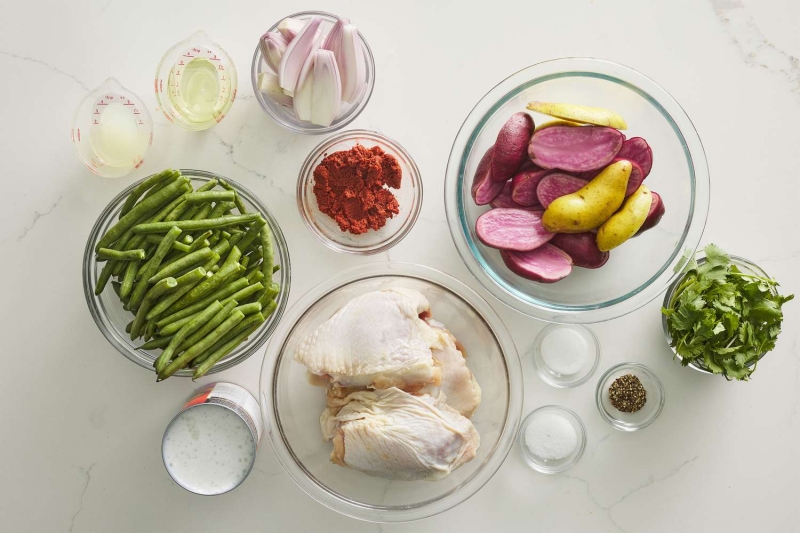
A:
(285, 116)
(409, 196)
(111, 318)
(644, 416)
(543, 465)
(566, 381)
(745, 266)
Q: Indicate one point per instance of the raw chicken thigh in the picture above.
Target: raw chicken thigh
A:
(458, 384)
(376, 340)
(391, 433)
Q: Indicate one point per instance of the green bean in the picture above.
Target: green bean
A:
(267, 251)
(163, 183)
(210, 196)
(254, 276)
(189, 328)
(187, 239)
(189, 213)
(225, 235)
(256, 253)
(244, 262)
(215, 355)
(249, 309)
(159, 289)
(149, 330)
(269, 294)
(202, 212)
(155, 239)
(198, 348)
(222, 293)
(222, 246)
(209, 285)
(252, 233)
(130, 275)
(251, 320)
(238, 200)
(207, 186)
(214, 239)
(208, 327)
(215, 269)
(185, 284)
(211, 263)
(182, 263)
(104, 276)
(140, 189)
(164, 196)
(196, 225)
(201, 240)
(155, 342)
(104, 254)
(276, 268)
(128, 327)
(270, 308)
(152, 267)
(219, 209)
(244, 293)
(174, 327)
(176, 212)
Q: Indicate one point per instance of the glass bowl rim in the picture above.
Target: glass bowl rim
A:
(307, 173)
(316, 130)
(261, 335)
(406, 513)
(524, 447)
(700, 257)
(541, 371)
(600, 390)
(455, 181)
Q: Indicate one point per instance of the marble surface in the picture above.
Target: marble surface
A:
(81, 425)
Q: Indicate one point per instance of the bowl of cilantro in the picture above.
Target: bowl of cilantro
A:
(723, 314)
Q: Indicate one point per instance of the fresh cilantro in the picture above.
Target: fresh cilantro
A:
(723, 318)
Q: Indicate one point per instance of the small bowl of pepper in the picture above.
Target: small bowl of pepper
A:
(359, 192)
(629, 396)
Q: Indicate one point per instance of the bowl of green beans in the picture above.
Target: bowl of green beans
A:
(186, 273)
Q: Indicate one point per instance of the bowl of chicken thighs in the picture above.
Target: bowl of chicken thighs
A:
(391, 392)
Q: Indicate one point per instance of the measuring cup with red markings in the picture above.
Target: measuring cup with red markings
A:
(111, 130)
(196, 83)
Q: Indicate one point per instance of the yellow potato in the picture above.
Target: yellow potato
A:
(580, 113)
(556, 122)
(626, 222)
(592, 205)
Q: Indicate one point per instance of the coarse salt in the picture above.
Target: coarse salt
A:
(564, 351)
(550, 437)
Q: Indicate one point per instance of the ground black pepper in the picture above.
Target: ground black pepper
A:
(627, 393)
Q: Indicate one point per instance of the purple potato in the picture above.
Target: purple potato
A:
(511, 147)
(557, 185)
(546, 264)
(484, 188)
(582, 248)
(512, 229)
(575, 149)
(523, 186)
(657, 210)
(636, 150)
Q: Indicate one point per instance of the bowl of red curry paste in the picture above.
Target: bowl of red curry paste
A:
(359, 192)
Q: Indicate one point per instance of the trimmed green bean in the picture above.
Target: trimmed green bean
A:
(128, 279)
(221, 294)
(196, 225)
(210, 196)
(104, 254)
(187, 239)
(201, 240)
(179, 246)
(237, 200)
(215, 355)
(152, 266)
(222, 246)
(164, 196)
(225, 235)
(270, 308)
(244, 261)
(208, 327)
(176, 212)
(181, 264)
(163, 183)
(140, 189)
(128, 327)
(250, 235)
(159, 289)
(174, 327)
(149, 330)
(219, 209)
(255, 319)
(192, 326)
(207, 286)
(215, 269)
(202, 212)
(207, 186)
(254, 276)
(199, 347)
(211, 263)
(245, 293)
(156, 342)
(249, 309)
(185, 284)
(104, 276)
(267, 251)
(190, 212)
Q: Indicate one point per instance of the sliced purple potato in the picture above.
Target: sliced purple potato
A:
(575, 149)
(546, 264)
(512, 229)
(582, 248)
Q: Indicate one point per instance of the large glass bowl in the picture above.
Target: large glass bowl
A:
(111, 318)
(291, 407)
(640, 269)
(285, 116)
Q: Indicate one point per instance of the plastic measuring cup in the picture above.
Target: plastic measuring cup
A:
(111, 130)
(196, 83)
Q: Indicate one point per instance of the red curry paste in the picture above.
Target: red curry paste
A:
(351, 187)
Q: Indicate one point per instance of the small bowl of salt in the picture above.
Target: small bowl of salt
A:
(565, 355)
(552, 439)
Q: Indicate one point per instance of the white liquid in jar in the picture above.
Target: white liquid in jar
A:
(208, 449)
(199, 90)
(116, 140)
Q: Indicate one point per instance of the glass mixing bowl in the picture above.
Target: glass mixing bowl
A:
(291, 407)
(285, 116)
(640, 269)
(111, 318)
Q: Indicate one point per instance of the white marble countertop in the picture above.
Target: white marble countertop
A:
(81, 425)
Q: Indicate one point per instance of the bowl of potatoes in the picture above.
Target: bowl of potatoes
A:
(576, 189)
